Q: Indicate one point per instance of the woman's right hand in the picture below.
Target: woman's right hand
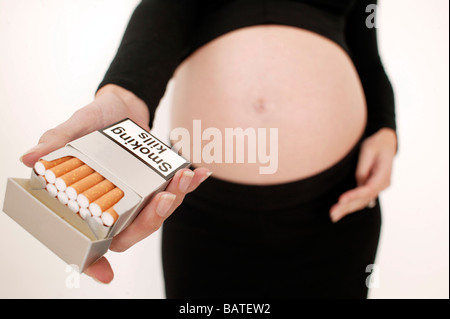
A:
(113, 103)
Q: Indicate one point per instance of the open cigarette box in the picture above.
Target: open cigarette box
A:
(82, 195)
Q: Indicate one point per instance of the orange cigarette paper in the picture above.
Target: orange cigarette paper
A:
(66, 167)
(43, 165)
(98, 190)
(109, 199)
(87, 182)
(76, 174)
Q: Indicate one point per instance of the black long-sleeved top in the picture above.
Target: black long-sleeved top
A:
(162, 33)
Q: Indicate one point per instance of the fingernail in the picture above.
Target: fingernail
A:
(164, 205)
(185, 181)
(207, 175)
(31, 150)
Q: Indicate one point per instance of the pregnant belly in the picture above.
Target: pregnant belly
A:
(267, 105)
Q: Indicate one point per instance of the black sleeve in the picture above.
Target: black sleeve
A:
(361, 39)
(153, 45)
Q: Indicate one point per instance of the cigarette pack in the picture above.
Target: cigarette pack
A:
(82, 195)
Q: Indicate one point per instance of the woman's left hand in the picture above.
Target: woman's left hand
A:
(373, 174)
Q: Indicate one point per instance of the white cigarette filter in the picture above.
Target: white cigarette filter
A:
(62, 197)
(73, 205)
(51, 189)
(42, 166)
(84, 213)
(84, 184)
(73, 176)
(106, 201)
(109, 217)
(61, 169)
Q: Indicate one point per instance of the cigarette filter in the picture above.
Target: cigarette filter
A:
(73, 205)
(62, 197)
(109, 217)
(51, 189)
(84, 213)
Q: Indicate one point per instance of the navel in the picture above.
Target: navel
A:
(260, 106)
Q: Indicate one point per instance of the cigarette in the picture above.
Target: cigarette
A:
(93, 193)
(73, 176)
(83, 184)
(62, 197)
(106, 201)
(80, 188)
(109, 217)
(84, 212)
(73, 205)
(42, 166)
(51, 189)
(61, 169)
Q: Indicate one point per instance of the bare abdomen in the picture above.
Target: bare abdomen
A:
(295, 82)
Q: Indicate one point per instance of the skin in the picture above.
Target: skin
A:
(113, 103)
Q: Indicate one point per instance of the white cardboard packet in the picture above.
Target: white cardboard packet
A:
(130, 157)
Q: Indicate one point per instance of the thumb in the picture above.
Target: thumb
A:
(82, 122)
(365, 164)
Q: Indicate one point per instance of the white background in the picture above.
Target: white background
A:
(54, 53)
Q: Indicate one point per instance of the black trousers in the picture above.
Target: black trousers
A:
(231, 240)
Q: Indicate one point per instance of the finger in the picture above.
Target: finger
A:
(361, 192)
(352, 201)
(185, 181)
(159, 209)
(101, 271)
(358, 198)
(339, 211)
(201, 174)
(374, 183)
(380, 177)
(365, 163)
(82, 122)
(147, 222)
(181, 181)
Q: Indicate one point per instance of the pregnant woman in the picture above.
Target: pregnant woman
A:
(308, 68)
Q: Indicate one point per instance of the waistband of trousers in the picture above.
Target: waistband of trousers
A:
(226, 194)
